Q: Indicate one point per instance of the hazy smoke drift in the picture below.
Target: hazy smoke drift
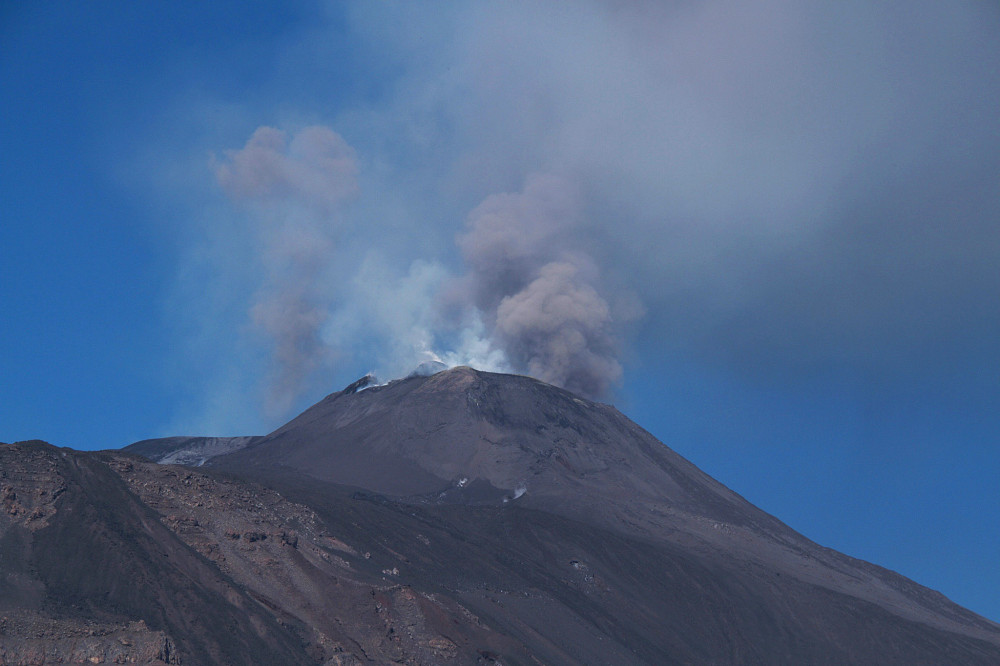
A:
(533, 295)
(536, 291)
(293, 192)
(790, 188)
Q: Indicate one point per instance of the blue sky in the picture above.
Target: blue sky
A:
(769, 234)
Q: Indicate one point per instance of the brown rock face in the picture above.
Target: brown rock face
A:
(103, 561)
(460, 518)
(29, 638)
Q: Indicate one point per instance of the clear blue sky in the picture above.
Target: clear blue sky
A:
(780, 222)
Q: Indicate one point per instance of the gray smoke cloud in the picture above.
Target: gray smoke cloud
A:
(787, 187)
(537, 293)
(510, 236)
(315, 172)
(292, 192)
(559, 328)
(530, 299)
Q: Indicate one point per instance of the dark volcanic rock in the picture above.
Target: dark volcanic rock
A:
(78, 547)
(458, 518)
(548, 450)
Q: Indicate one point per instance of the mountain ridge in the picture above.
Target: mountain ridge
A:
(454, 518)
(637, 485)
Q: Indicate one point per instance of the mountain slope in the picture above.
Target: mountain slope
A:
(419, 438)
(458, 518)
(79, 551)
(424, 434)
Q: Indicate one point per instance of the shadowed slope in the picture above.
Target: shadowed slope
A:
(77, 546)
(520, 441)
(460, 518)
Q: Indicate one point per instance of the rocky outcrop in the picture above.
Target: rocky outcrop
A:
(323, 583)
(28, 638)
(97, 561)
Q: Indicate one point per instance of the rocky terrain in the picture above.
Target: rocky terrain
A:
(458, 518)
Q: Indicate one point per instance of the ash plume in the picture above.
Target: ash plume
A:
(509, 236)
(316, 171)
(292, 192)
(558, 328)
(538, 294)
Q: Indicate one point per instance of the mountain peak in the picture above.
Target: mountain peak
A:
(538, 508)
(359, 384)
(552, 450)
(473, 437)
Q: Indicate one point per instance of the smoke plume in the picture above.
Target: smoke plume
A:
(530, 299)
(537, 293)
(559, 329)
(293, 193)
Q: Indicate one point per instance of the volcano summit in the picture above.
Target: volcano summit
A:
(462, 517)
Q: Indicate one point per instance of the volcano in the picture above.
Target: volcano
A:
(461, 517)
